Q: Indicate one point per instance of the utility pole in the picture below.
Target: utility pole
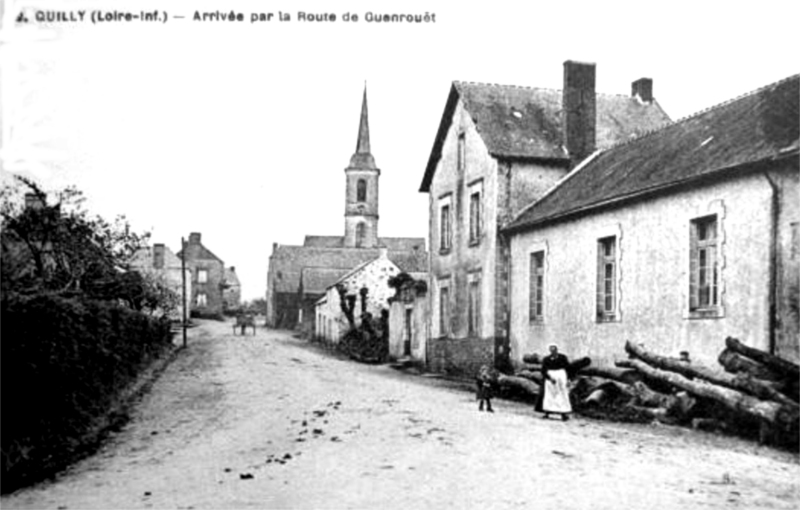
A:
(183, 279)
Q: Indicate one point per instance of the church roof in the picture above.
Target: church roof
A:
(287, 262)
(392, 243)
(525, 122)
(316, 280)
(758, 127)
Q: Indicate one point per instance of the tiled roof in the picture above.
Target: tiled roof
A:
(756, 127)
(287, 262)
(392, 243)
(525, 122)
(316, 280)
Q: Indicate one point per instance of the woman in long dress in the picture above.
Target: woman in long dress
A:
(555, 397)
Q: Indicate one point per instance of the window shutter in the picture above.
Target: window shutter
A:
(694, 266)
(600, 281)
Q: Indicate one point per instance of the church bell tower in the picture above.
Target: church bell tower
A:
(361, 205)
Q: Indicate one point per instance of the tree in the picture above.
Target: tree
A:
(53, 244)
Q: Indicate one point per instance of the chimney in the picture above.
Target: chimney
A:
(643, 88)
(233, 269)
(33, 201)
(579, 111)
(383, 252)
(194, 238)
(158, 256)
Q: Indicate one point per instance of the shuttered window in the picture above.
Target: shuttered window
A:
(536, 287)
(474, 305)
(445, 228)
(703, 265)
(607, 279)
(444, 310)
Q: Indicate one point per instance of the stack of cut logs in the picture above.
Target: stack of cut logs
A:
(756, 394)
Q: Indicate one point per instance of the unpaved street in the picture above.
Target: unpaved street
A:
(267, 422)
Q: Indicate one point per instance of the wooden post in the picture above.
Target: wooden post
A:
(183, 280)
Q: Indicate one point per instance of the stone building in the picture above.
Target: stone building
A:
(498, 148)
(161, 264)
(677, 239)
(331, 322)
(208, 277)
(298, 275)
(232, 292)
(408, 320)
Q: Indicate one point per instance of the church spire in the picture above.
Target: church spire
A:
(362, 157)
(363, 129)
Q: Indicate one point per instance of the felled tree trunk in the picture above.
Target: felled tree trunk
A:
(783, 416)
(623, 375)
(734, 363)
(784, 368)
(754, 387)
(521, 383)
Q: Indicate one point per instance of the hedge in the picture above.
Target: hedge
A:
(65, 361)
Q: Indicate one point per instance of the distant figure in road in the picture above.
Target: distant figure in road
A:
(555, 393)
(485, 381)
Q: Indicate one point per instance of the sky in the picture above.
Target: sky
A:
(241, 131)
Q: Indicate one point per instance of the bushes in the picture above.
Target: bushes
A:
(65, 361)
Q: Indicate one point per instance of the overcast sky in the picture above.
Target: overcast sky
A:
(242, 131)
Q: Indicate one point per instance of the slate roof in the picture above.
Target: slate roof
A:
(525, 122)
(287, 262)
(757, 127)
(316, 280)
(392, 243)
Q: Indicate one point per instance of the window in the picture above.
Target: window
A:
(361, 190)
(536, 283)
(607, 279)
(360, 234)
(202, 275)
(407, 332)
(703, 265)
(444, 310)
(461, 156)
(445, 228)
(474, 305)
(201, 299)
(475, 213)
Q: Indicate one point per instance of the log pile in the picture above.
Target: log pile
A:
(752, 393)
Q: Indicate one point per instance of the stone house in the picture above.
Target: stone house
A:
(498, 148)
(408, 319)
(208, 277)
(299, 275)
(161, 264)
(330, 321)
(232, 293)
(676, 239)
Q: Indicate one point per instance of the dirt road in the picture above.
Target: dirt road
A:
(266, 422)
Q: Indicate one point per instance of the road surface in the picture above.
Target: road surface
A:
(268, 421)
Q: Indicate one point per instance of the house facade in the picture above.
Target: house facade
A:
(298, 276)
(677, 239)
(498, 148)
(208, 276)
(162, 265)
(331, 322)
(408, 320)
(232, 292)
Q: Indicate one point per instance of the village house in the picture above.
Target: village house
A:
(164, 267)
(232, 292)
(298, 276)
(498, 148)
(373, 276)
(408, 318)
(676, 239)
(208, 277)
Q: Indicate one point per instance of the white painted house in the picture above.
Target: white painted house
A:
(677, 239)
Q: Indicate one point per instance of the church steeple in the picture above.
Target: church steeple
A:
(361, 204)
(362, 158)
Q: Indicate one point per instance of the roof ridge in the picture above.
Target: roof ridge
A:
(649, 132)
(526, 87)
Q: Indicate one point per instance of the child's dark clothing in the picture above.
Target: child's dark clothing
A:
(484, 383)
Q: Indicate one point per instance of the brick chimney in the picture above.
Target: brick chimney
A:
(194, 238)
(579, 114)
(643, 88)
(158, 256)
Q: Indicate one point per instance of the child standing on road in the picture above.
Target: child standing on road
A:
(485, 381)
